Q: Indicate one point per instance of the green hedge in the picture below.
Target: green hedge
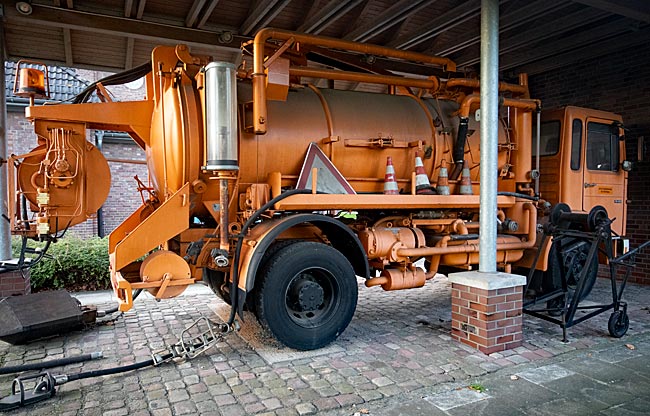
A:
(73, 264)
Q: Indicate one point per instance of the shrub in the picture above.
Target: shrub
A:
(73, 264)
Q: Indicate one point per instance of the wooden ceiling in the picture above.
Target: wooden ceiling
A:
(535, 35)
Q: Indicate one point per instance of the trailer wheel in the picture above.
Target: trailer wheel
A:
(618, 324)
(307, 295)
(575, 257)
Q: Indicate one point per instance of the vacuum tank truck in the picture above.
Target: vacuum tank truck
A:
(277, 193)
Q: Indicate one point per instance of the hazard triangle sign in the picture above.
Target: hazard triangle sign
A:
(329, 179)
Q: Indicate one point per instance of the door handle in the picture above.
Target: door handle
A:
(590, 185)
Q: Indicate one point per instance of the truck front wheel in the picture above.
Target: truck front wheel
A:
(306, 295)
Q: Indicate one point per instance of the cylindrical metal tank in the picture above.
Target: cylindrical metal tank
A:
(220, 117)
(356, 130)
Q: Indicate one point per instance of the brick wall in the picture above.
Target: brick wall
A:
(15, 283)
(488, 320)
(619, 83)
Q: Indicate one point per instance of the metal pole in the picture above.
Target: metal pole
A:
(5, 234)
(489, 133)
(99, 142)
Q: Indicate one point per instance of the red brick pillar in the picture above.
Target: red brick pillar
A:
(486, 310)
(13, 283)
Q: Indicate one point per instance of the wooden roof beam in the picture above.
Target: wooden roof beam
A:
(121, 26)
(262, 14)
(634, 9)
(207, 12)
(584, 40)
(539, 33)
(398, 12)
(508, 21)
(327, 15)
(613, 45)
(193, 14)
(448, 20)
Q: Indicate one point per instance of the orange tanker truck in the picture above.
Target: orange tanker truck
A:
(277, 194)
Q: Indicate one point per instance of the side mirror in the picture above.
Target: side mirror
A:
(627, 166)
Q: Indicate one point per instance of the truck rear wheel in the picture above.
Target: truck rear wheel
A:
(306, 295)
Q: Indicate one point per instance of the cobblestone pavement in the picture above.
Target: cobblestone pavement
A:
(398, 342)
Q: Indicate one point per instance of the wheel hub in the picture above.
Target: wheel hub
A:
(309, 295)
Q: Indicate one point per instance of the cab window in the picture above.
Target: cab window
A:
(602, 147)
(549, 139)
(576, 144)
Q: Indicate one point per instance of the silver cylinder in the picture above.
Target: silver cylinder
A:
(220, 117)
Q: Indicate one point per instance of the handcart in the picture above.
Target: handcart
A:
(592, 230)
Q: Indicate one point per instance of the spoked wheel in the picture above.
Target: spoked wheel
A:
(618, 324)
(574, 259)
(307, 295)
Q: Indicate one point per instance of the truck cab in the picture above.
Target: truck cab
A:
(581, 154)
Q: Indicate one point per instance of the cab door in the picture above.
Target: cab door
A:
(603, 178)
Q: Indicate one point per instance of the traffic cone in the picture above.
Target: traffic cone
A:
(443, 181)
(422, 184)
(466, 183)
(390, 184)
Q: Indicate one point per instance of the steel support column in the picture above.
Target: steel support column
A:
(489, 133)
(5, 235)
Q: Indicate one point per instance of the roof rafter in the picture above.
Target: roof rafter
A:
(576, 42)
(538, 33)
(327, 15)
(398, 12)
(629, 40)
(634, 9)
(448, 20)
(262, 14)
(100, 23)
(507, 21)
(207, 13)
(193, 14)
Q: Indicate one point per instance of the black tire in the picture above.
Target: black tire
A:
(552, 279)
(306, 295)
(215, 280)
(618, 324)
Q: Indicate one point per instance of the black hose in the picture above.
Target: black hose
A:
(240, 240)
(49, 364)
(458, 153)
(115, 370)
(115, 79)
(518, 195)
(116, 308)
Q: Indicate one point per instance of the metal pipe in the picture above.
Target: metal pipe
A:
(489, 134)
(259, 81)
(431, 83)
(537, 149)
(524, 104)
(475, 83)
(99, 142)
(224, 243)
(5, 233)
(472, 248)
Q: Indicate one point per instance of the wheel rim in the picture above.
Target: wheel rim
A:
(311, 297)
(576, 266)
